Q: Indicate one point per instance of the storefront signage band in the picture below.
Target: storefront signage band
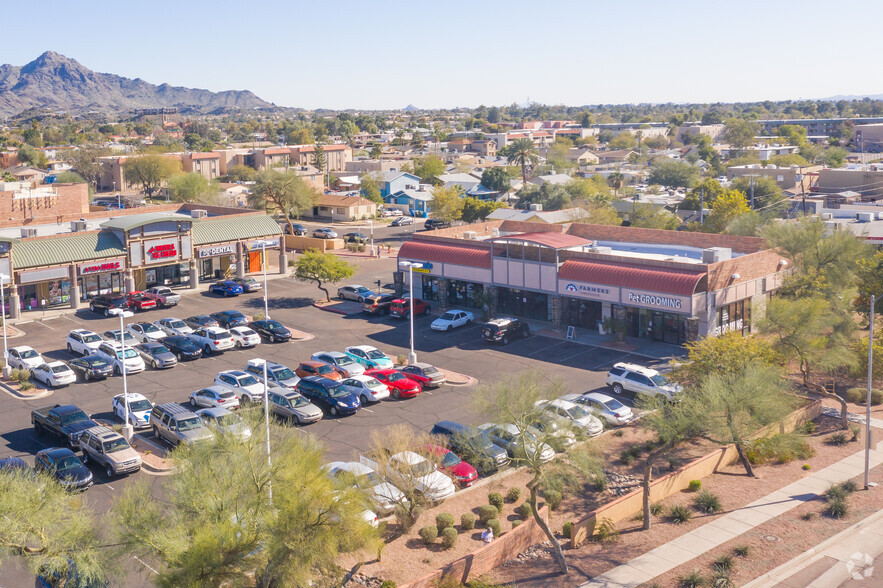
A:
(97, 268)
(217, 250)
(162, 251)
(654, 300)
(257, 245)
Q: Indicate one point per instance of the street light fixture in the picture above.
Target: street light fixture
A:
(3, 279)
(412, 357)
(868, 398)
(128, 429)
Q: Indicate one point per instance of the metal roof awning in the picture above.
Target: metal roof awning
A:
(221, 229)
(680, 282)
(65, 249)
(479, 257)
(552, 240)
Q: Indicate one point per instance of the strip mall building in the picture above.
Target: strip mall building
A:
(667, 286)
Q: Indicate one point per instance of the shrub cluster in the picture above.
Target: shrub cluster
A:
(467, 521)
(496, 499)
(513, 494)
(553, 498)
(679, 514)
(781, 448)
(494, 525)
(429, 534)
(449, 537)
(487, 512)
(707, 502)
(444, 521)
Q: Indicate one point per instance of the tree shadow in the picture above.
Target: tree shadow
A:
(278, 302)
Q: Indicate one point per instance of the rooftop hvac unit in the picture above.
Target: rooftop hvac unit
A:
(495, 232)
(536, 207)
(470, 235)
(864, 217)
(827, 215)
(28, 232)
(716, 254)
(600, 249)
(199, 213)
(78, 225)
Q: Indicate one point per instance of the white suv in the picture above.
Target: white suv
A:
(112, 352)
(83, 342)
(641, 380)
(212, 339)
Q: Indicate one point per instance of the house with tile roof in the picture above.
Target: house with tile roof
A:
(343, 206)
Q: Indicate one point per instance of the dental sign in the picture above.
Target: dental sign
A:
(217, 250)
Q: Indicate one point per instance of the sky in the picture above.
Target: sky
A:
(385, 54)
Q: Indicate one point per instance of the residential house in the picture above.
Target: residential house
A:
(26, 173)
(364, 166)
(551, 178)
(393, 181)
(785, 177)
(615, 156)
(208, 165)
(411, 200)
(341, 206)
(763, 151)
(310, 175)
(552, 217)
(271, 157)
(234, 194)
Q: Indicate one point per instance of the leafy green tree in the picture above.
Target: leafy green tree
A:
(672, 173)
(417, 139)
(370, 188)
(616, 181)
(740, 133)
(319, 158)
(550, 196)
(497, 179)
(143, 128)
(446, 204)
(375, 152)
(767, 193)
(523, 153)
(193, 187)
(793, 134)
(322, 268)
(594, 189)
(493, 115)
(428, 168)
(835, 156)
(624, 140)
(556, 156)
(241, 173)
(84, 160)
(284, 192)
(709, 190)
(869, 274)
(301, 137)
(475, 210)
(30, 156)
(728, 353)
(33, 137)
(649, 217)
(347, 129)
(150, 171)
(726, 208)
(788, 159)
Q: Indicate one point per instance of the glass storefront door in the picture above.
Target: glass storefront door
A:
(583, 313)
(108, 283)
(655, 325)
(523, 303)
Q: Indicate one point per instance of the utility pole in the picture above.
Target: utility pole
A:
(751, 179)
(803, 192)
(701, 205)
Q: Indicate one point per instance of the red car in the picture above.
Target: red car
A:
(450, 463)
(401, 307)
(139, 301)
(399, 385)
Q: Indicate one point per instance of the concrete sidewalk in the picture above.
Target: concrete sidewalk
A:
(690, 545)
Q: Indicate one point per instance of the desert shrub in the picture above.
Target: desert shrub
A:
(838, 438)
(444, 520)
(429, 534)
(837, 508)
(517, 522)
(388, 584)
(808, 428)
(855, 395)
(523, 510)
(806, 466)
(695, 485)
(721, 580)
(656, 508)
(487, 512)
(679, 514)
(406, 518)
(401, 359)
(618, 433)
(568, 528)
(741, 551)
(807, 516)
(692, 580)
(856, 432)
(649, 446)
(25, 386)
(707, 502)
(849, 486)
(626, 458)
(606, 531)
(258, 316)
(495, 499)
(635, 450)
(467, 521)
(513, 494)
(19, 375)
(876, 397)
(449, 537)
(835, 491)
(553, 498)
(781, 448)
(723, 564)
(599, 482)
(494, 525)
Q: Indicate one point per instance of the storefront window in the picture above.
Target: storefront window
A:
(107, 283)
(168, 275)
(734, 317)
(430, 288)
(655, 325)
(461, 293)
(51, 293)
(523, 303)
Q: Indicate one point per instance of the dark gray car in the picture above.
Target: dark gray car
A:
(157, 355)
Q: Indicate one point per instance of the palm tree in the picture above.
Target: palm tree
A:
(616, 180)
(524, 153)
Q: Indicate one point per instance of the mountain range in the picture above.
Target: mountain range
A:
(57, 83)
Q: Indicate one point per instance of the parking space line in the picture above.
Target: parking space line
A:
(612, 361)
(564, 359)
(44, 325)
(542, 349)
(367, 410)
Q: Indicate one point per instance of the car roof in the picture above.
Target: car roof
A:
(452, 426)
(55, 363)
(352, 467)
(361, 378)
(561, 403)
(636, 368)
(82, 331)
(215, 412)
(114, 345)
(382, 371)
(409, 457)
(132, 396)
(151, 344)
(362, 347)
(598, 396)
(215, 329)
(24, 348)
(421, 365)
(320, 380)
(240, 329)
(313, 363)
(237, 373)
(215, 388)
(56, 452)
(103, 432)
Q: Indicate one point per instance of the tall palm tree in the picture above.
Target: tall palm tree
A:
(524, 153)
(615, 181)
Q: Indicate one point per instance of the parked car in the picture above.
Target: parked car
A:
(368, 356)
(317, 368)
(325, 233)
(91, 367)
(230, 318)
(345, 365)
(118, 336)
(401, 307)
(452, 465)
(138, 300)
(425, 374)
(182, 348)
(277, 374)
(245, 386)
(334, 397)
(54, 374)
(354, 292)
(64, 466)
(400, 386)
(163, 295)
(296, 229)
(603, 406)
(146, 332)
(293, 407)
(15, 464)
(214, 396)
(139, 409)
(249, 284)
(515, 443)
(24, 357)
(555, 430)
(432, 224)
(156, 355)
(367, 388)
(177, 424)
(452, 319)
(225, 288)
(411, 470)
(641, 380)
(108, 304)
(199, 321)
(225, 421)
(472, 444)
(402, 221)
(82, 341)
(172, 326)
(113, 353)
(244, 338)
(355, 237)
(212, 339)
(504, 330)
(272, 331)
(378, 303)
(384, 495)
(108, 449)
(64, 421)
(578, 416)
(386, 212)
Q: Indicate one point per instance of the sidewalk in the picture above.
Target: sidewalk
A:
(690, 545)
(631, 345)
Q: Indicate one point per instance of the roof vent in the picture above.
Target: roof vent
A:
(601, 249)
(199, 213)
(28, 232)
(716, 254)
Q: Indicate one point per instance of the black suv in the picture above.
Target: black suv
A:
(432, 224)
(504, 329)
(106, 302)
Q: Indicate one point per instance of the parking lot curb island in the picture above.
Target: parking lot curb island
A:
(21, 396)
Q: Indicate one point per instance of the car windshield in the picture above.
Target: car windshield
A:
(299, 401)
(29, 353)
(324, 369)
(60, 369)
(451, 459)
(530, 437)
(430, 371)
(218, 336)
(372, 383)
(421, 468)
(93, 338)
(160, 350)
(228, 420)
(149, 328)
(613, 404)
(338, 391)
(139, 405)
(577, 413)
(69, 462)
(189, 424)
(375, 354)
(448, 316)
(177, 324)
(246, 332)
(130, 353)
(369, 480)
(396, 377)
(248, 381)
(344, 360)
(479, 442)
(283, 374)
(97, 363)
(73, 417)
(226, 394)
(275, 326)
(659, 380)
(116, 445)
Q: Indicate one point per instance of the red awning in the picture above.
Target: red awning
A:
(679, 282)
(439, 253)
(550, 239)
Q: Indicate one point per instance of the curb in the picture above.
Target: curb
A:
(329, 309)
(20, 396)
(469, 379)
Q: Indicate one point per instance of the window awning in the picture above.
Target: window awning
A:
(455, 254)
(680, 282)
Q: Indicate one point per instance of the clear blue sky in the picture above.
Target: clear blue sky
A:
(387, 54)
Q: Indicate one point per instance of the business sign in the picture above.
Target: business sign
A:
(87, 269)
(670, 302)
(217, 250)
(589, 291)
(161, 250)
(257, 245)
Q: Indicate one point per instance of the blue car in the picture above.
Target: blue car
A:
(332, 396)
(226, 288)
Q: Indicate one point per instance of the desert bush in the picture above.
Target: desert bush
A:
(567, 529)
(806, 466)
(444, 520)
(401, 359)
(495, 499)
(721, 580)
(741, 551)
(723, 564)
(513, 494)
(487, 512)
(523, 510)
(405, 518)
(707, 502)
(837, 508)
(695, 485)
(553, 498)
(388, 584)
(635, 450)
(835, 491)
(599, 482)
(429, 534)
(258, 316)
(808, 428)
(849, 486)
(25, 386)
(449, 537)
(692, 580)
(606, 531)
(855, 395)
(467, 521)
(855, 430)
(781, 448)
(876, 397)
(494, 525)
(679, 514)
(807, 516)
(19, 375)
(517, 522)
(838, 438)
(618, 433)
(656, 508)
(626, 458)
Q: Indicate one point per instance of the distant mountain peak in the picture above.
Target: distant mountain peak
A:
(410, 108)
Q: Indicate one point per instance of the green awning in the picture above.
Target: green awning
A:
(220, 229)
(65, 249)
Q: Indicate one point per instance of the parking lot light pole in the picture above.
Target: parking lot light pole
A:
(868, 398)
(3, 278)
(266, 305)
(412, 357)
(267, 424)
(371, 225)
(128, 429)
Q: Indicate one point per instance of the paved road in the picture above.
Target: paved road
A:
(581, 367)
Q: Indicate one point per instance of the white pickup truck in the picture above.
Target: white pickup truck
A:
(409, 471)
(163, 295)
